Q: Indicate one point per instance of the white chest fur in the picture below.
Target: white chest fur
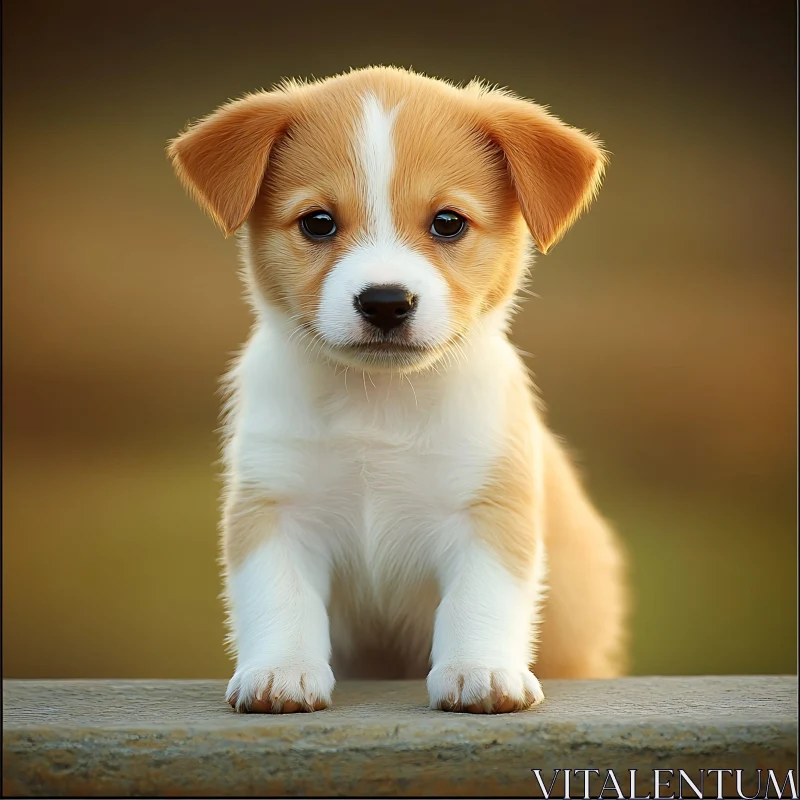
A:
(373, 473)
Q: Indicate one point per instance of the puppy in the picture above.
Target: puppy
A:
(395, 506)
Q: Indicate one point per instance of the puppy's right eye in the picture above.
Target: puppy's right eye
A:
(448, 225)
(318, 225)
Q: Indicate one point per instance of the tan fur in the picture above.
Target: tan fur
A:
(506, 165)
(222, 159)
(556, 169)
(319, 157)
(584, 634)
(506, 513)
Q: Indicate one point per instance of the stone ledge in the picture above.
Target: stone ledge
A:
(179, 738)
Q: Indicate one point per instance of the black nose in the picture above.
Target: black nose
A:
(385, 307)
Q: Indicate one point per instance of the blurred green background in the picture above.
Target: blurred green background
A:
(663, 335)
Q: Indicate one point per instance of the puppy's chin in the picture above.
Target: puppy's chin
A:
(384, 356)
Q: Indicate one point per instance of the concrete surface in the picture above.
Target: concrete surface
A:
(179, 738)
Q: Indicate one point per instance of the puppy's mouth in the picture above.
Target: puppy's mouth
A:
(385, 354)
(387, 346)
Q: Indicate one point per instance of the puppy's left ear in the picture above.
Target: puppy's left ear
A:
(556, 170)
(222, 159)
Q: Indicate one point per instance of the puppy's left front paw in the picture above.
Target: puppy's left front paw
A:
(482, 690)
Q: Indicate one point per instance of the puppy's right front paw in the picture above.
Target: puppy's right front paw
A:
(302, 686)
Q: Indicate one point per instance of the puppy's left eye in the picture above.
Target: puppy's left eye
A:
(448, 225)
(318, 225)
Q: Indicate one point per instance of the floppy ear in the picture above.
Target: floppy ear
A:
(222, 159)
(555, 169)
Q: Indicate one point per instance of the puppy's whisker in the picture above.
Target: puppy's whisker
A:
(416, 402)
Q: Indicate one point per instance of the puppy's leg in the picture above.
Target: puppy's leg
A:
(486, 624)
(483, 637)
(276, 591)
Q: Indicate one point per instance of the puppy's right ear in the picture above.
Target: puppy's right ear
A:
(222, 159)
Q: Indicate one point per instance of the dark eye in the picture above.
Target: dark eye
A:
(448, 224)
(318, 225)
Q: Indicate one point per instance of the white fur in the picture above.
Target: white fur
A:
(381, 258)
(280, 623)
(376, 159)
(482, 642)
(374, 475)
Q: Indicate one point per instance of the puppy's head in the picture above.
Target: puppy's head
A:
(387, 212)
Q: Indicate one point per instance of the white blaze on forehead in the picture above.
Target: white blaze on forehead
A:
(379, 257)
(376, 158)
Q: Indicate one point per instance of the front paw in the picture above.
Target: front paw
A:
(482, 690)
(286, 689)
